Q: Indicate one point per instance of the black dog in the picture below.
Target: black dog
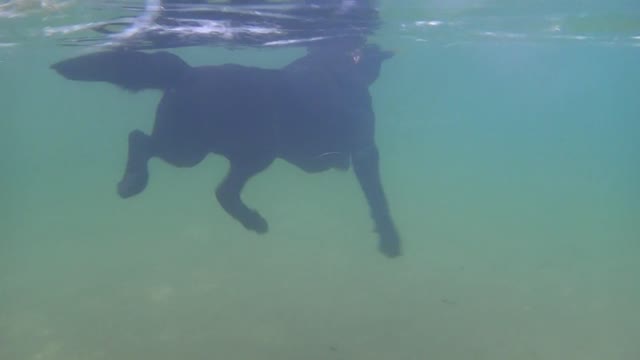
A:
(315, 113)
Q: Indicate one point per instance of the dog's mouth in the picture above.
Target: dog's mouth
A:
(374, 53)
(387, 54)
(328, 153)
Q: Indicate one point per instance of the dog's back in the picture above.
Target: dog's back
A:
(230, 107)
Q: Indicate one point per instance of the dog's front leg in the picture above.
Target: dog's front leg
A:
(366, 166)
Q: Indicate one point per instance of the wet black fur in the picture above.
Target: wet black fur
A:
(315, 113)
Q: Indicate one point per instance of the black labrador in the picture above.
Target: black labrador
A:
(315, 113)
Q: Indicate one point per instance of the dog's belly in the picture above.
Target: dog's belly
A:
(321, 162)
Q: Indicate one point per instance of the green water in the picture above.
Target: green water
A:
(512, 169)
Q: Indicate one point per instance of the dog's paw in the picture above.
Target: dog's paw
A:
(390, 247)
(132, 184)
(389, 242)
(255, 222)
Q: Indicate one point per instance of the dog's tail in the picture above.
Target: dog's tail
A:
(131, 70)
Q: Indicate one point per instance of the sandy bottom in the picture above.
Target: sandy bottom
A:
(168, 275)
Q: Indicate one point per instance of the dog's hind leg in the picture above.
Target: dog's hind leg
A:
(136, 174)
(228, 192)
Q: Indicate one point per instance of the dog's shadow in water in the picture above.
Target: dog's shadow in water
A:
(315, 113)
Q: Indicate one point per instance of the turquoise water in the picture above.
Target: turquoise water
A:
(510, 148)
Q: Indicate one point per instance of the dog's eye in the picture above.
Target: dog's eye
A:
(356, 56)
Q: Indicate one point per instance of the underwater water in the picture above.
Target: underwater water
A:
(510, 153)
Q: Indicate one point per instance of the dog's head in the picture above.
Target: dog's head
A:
(363, 64)
(367, 61)
(358, 66)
